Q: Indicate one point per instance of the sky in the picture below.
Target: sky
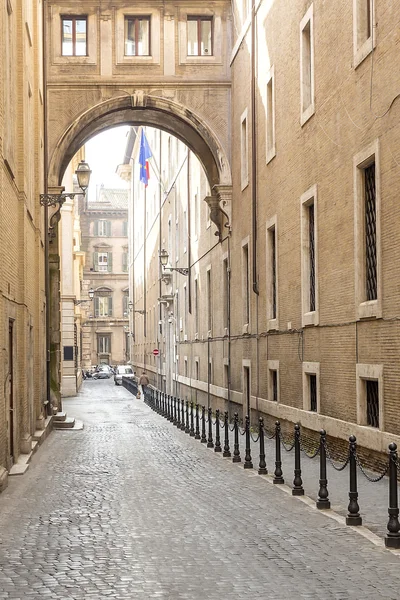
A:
(104, 153)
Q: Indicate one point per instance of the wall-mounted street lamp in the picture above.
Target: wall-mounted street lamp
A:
(90, 294)
(82, 173)
(164, 256)
(140, 311)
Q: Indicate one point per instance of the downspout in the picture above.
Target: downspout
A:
(254, 148)
(159, 333)
(46, 213)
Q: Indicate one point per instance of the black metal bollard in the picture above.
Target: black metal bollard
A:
(248, 463)
(236, 452)
(323, 502)
(197, 432)
(392, 540)
(164, 405)
(171, 408)
(278, 474)
(191, 431)
(183, 425)
(297, 489)
(218, 447)
(353, 517)
(157, 402)
(187, 427)
(177, 412)
(262, 466)
(210, 443)
(203, 439)
(227, 452)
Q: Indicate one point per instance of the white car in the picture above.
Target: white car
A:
(123, 371)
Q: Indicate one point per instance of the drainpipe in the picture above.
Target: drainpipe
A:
(254, 147)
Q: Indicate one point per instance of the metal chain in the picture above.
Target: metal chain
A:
(287, 448)
(242, 432)
(371, 479)
(309, 455)
(396, 461)
(255, 440)
(328, 456)
(269, 437)
(222, 424)
(232, 428)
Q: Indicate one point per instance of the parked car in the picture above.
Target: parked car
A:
(123, 371)
(103, 372)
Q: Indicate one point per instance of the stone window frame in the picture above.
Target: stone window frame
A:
(246, 364)
(307, 112)
(217, 37)
(309, 197)
(209, 292)
(246, 294)
(372, 372)
(244, 150)
(311, 368)
(155, 36)
(273, 365)
(270, 115)
(57, 57)
(370, 154)
(362, 48)
(272, 323)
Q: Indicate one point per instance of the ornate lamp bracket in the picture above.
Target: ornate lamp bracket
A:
(220, 208)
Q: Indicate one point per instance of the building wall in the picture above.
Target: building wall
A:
(22, 303)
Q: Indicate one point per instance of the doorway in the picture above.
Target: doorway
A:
(11, 419)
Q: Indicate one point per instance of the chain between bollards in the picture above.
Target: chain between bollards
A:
(210, 443)
(248, 464)
(203, 425)
(227, 452)
(218, 447)
(392, 539)
(297, 489)
(323, 502)
(353, 517)
(262, 466)
(236, 452)
(278, 474)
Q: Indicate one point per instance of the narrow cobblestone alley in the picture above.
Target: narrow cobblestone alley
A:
(130, 507)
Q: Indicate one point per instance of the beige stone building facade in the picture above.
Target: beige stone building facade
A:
(23, 234)
(105, 325)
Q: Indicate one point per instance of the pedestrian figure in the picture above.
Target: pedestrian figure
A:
(143, 383)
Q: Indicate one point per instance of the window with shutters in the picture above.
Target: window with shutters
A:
(102, 228)
(311, 386)
(124, 262)
(104, 343)
(368, 232)
(103, 303)
(309, 263)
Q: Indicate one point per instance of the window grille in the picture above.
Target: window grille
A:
(274, 375)
(370, 234)
(311, 225)
(273, 258)
(76, 345)
(372, 403)
(313, 392)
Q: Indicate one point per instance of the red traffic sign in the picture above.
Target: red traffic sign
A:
(156, 352)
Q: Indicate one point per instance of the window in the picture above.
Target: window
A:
(209, 302)
(272, 275)
(104, 344)
(270, 102)
(125, 228)
(124, 262)
(245, 285)
(103, 306)
(186, 366)
(197, 369)
(273, 380)
(102, 228)
(137, 36)
(102, 262)
(226, 373)
(309, 272)
(244, 151)
(370, 395)
(73, 36)
(196, 306)
(368, 235)
(246, 390)
(199, 36)
(307, 66)
(311, 393)
(363, 29)
(125, 305)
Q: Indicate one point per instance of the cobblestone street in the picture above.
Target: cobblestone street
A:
(130, 507)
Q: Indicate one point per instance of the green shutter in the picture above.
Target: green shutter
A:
(108, 228)
(95, 261)
(96, 228)
(110, 311)
(125, 229)
(125, 261)
(109, 262)
(96, 306)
